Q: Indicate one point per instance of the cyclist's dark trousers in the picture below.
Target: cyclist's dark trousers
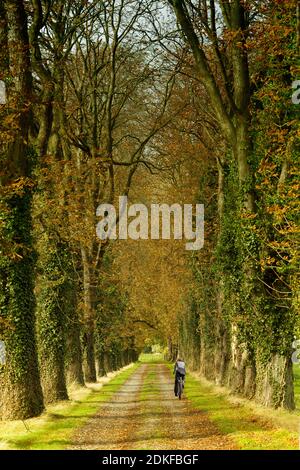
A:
(177, 376)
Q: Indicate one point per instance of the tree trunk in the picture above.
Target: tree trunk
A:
(222, 354)
(241, 371)
(20, 381)
(101, 366)
(107, 362)
(206, 361)
(74, 352)
(89, 317)
(89, 357)
(275, 385)
(242, 368)
(51, 319)
(19, 378)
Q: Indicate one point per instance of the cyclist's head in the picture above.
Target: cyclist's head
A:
(179, 359)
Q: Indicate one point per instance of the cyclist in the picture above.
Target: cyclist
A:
(179, 371)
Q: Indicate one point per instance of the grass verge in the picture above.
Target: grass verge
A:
(153, 358)
(252, 427)
(54, 428)
(297, 385)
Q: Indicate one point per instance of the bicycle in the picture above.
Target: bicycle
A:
(180, 387)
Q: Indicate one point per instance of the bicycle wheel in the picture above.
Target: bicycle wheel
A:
(180, 388)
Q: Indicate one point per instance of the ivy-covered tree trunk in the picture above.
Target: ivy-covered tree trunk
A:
(275, 385)
(89, 314)
(207, 350)
(236, 289)
(172, 350)
(243, 361)
(74, 351)
(52, 317)
(21, 393)
(89, 363)
(101, 365)
(108, 362)
(222, 352)
(73, 359)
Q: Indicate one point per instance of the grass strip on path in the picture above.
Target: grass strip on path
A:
(149, 398)
(55, 427)
(250, 426)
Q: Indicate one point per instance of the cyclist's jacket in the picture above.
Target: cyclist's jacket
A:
(180, 367)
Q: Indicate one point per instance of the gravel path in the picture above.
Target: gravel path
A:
(144, 414)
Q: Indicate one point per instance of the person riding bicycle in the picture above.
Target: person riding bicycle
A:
(179, 371)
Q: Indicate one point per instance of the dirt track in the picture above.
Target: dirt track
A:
(144, 414)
